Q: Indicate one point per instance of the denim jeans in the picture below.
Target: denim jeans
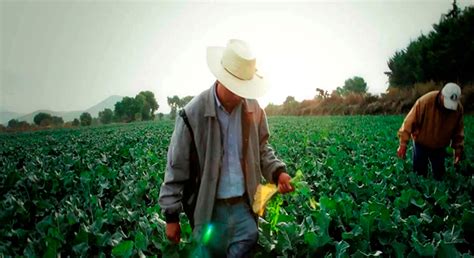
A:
(421, 156)
(232, 233)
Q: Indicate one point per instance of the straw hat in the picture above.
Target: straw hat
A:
(235, 67)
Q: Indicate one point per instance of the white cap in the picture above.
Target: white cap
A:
(452, 94)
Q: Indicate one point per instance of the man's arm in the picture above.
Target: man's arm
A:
(408, 127)
(409, 124)
(272, 168)
(177, 172)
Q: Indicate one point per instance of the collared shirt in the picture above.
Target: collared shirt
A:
(231, 180)
(260, 159)
(430, 124)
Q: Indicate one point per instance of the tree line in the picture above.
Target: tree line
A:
(142, 107)
(445, 54)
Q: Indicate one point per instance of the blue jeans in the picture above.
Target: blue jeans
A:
(421, 156)
(232, 233)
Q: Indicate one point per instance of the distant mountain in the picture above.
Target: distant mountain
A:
(67, 116)
(6, 116)
(106, 103)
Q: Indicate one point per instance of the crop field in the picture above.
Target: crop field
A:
(94, 192)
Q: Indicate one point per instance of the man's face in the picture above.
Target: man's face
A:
(227, 97)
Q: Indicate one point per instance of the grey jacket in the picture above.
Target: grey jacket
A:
(259, 159)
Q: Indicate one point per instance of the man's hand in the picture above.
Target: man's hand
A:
(173, 232)
(284, 185)
(402, 151)
(457, 158)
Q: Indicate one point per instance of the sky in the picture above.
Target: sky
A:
(70, 55)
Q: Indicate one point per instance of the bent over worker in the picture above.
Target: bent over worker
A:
(434, 123)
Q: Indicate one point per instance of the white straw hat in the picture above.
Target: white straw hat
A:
(452, 94)
(235, 67)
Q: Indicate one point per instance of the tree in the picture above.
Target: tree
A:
(322, 94)
(86, 119)
(57, 121)
(126, 109)
(150, 105)
(444, 54)
(106, 116)
(355, 84)
(186, 100)
(15, 124)
(142, 107)
(42, 119)
(272, 109)
(290, 106)
(176, 103)
(76, 122)
(160, 116)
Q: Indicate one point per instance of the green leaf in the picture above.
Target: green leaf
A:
(355, 232)
(341, 249)
(141, 241)
(447, 251)
(399, 249)
(123, 249)
(80, 249)
(327, 204)
(426, 249)
(426, 217)
(51, 248)
(310, 238)
(367, 223)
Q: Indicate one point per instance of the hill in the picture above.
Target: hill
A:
(6, 115)
(106, 103)
(66, 115)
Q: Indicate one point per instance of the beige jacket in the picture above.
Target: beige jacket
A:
(432, 125)
(259, 157)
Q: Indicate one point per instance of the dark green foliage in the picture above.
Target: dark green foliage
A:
(360, 199)
(56, 121)
(106, 116)
(355, 85)
(76, 122)
(86, 119)
(45, 119)
(140, 108)
(83, 192)
(94, 192)
(15, 124)
(42, 119)
(443, 55)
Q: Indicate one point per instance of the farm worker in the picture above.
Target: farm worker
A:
(434, 122)
(217, 156)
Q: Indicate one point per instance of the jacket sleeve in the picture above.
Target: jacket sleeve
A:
(177, 172)
(410, 124)
(270, 165)
(457, 141)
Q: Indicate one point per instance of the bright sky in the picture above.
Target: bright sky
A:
(70, 55)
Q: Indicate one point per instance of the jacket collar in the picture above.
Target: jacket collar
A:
(210, 107)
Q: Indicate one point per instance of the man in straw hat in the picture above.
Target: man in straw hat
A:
(218, 153)
(435, 121)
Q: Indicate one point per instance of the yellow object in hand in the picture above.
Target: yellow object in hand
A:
(262, 196)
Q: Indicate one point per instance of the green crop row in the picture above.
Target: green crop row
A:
(94, 191)
(360, 199)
